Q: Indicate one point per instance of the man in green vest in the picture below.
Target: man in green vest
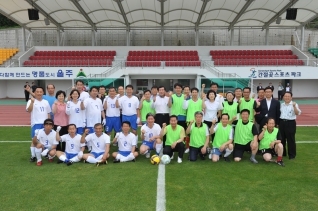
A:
(248, 103)
(193, 105)
(245, 137)
(199, 132)
(174, 138)
(175, 104)
(145, 106)
(223, 140)
(270, 142)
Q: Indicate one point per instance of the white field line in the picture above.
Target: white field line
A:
(161, 189)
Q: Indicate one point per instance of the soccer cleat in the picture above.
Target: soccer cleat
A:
(84, 161)
(148, 155)
(187, 150)
(253, 160)
(39, 163)
(50, 160)
(133, 160)
(32, 159)
(101, 162)
(210, 156)
(69, 163)
(116, 161)
(171, 158)
(227, 159)
(59, 161)
(202, 157)
(179, 160)
(280, 163)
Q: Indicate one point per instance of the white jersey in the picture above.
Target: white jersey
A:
(111, 110)
(98, 143)
(47, 140)
(76, 114)
(211, 110)
(93, 109)
(150, 132)
(128, 105)
(126, 143)
(73, 145)
(84, 95)
(40, 111)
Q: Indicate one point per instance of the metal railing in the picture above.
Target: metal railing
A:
(68, 63)
(259, 62)
(209, 66)
(108, 72)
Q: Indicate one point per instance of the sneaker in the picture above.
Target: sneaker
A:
(171, 158)
(59, 161)
(148, 155)
(116, 161)
(32, 159)
(101, 162)
(133, 160)
(253, 160)
(210, 156)
(44, 153)
(69, 163)
(50, 160)
(227, 159)
(84, 161)
(187, 150)
(280, 163)
(179, 160)
(202, 157)
(39, 163)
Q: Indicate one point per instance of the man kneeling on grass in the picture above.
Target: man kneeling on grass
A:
(200, 137)
(100, 143)
(73, 148)
(223, 140)
(126, 144)
(45, 142)
(270, 142)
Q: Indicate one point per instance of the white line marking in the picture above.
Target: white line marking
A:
(161, 189)
(15, 141)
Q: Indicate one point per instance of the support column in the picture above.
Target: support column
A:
(302, 37)
(266, 36)
(162, 37)
(196, 37)
(239, 37)
(232, 36)
(127, 80)
(93, 37)
(128, 37)
(23, 39)
(198, 82)
(58, 37)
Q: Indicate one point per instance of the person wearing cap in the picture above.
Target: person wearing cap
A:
(230, 107)
(287, 125)
(45, 142)
(200, 134)
(150, 134)
(280, 91)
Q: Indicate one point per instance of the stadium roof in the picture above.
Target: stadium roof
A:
(98, 14)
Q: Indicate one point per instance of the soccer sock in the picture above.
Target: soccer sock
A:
(136, 141)
(75, 159)
(80, 155)
(158, 148)
(227, 152)
(128, 158)
(253, 156)
(38, 154)
(187, 140)
(62, 158)
(90, 159)
(32, 151)
(279, 158)
(51, 157)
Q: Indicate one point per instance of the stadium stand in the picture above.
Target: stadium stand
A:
(254, 57)
(171, 58)
(71, 58)
(7, 53)
(313, 51)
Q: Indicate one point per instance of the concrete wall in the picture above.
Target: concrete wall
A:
(3, 89)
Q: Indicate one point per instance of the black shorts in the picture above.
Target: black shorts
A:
(239, 149)
(270, 151)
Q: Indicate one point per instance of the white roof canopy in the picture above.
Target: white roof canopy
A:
(126, 14)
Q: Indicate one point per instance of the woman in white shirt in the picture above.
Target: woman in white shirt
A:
(212, 108)
(76, 114)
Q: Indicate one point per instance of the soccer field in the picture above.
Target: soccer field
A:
(200, 185)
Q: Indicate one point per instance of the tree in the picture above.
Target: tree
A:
(6, 22)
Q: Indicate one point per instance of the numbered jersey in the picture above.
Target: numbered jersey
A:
(93, 110)
(128, 105)
(76, 114)
(73, 145)
(47, 140)
(126, 143)
(40, 111)
(150, 132)
(98, 143)
(111, 110)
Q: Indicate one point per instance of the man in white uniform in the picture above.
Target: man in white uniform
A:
(112, 113)
(126, 144)
(39, 110)
(45, 142)
(73, 148)
(150, 134)
(100, 143)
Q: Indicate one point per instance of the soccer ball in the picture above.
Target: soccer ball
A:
(165, 159)
(155, 160)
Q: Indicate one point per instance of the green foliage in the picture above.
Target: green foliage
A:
(6, 23)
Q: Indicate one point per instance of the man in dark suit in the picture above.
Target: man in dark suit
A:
(268, 108)
(259, 87)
